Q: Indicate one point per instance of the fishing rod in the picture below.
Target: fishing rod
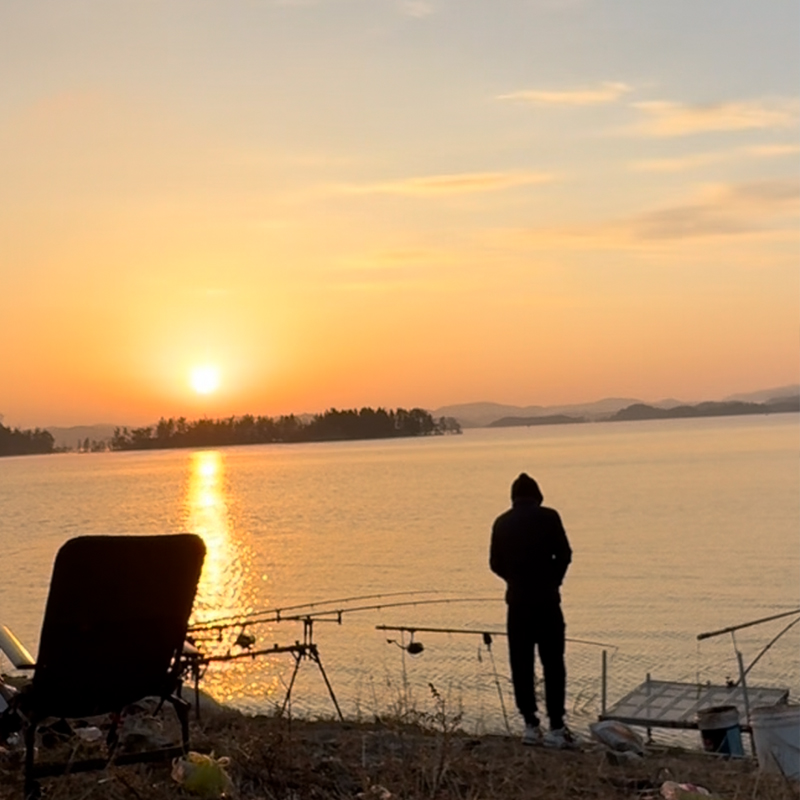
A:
(235, 619)
(332, 614)
(195, 661)
(382, 606)
(415, 648)
(475, 631)
(767, 647)
(732, 628)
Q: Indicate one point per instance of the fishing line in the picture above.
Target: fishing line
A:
(487, 640)
(769, 645)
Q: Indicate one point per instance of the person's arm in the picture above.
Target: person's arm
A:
(497, 560)
(562, 552)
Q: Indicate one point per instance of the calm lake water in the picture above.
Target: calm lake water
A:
(677, 527)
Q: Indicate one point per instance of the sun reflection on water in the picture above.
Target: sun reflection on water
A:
(229, 583)
(225, 570)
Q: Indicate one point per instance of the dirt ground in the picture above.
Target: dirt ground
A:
(280, 759)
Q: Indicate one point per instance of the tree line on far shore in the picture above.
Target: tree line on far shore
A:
(16, 442)
(333, 425)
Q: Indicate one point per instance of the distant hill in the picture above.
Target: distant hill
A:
(765, 395)
(547, 419)
(670, 402)
(480, 415)
(640, 411)
(73, 438)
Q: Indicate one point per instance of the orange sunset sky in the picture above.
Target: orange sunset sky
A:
(396, 203)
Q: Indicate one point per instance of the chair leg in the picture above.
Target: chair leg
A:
(182, 708)
(32, 789)
(112, 737)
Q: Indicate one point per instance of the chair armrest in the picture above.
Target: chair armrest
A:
(15, 650)
(190, 651)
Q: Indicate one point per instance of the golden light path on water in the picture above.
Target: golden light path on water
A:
(228, 584)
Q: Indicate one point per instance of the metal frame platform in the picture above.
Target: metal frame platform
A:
(667, 704)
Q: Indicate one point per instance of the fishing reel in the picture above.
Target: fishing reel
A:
(245, 640)
(412, 648)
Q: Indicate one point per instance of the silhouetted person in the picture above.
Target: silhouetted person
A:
(530, 551)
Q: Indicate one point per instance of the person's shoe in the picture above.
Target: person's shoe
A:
(560, 739)
(533, 736)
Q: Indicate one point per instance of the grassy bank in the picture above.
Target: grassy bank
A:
(280, 759)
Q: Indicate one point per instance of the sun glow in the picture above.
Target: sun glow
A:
(205, 379)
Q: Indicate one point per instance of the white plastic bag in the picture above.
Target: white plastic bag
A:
(617, 736)
(670, 790)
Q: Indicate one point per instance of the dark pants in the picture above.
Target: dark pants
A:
(531, 626)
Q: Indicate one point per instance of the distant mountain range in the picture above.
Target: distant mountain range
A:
(729, 408)
(481, 415)
(74, 438)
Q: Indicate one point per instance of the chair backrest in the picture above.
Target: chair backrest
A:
(115, 620)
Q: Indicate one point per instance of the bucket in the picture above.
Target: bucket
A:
(776, 735)
(719, 727)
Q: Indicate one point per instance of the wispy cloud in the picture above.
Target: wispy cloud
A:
(255, 158)
(662, 118)
(52, 113)
(395, 260)
(411, 8)
(458, 183)
(416, 8)
(695, 160)
(607, 92)
(421, 269)
(772, 150)
(559, 5)
(727, 210)
(291, 3)
(758, 208)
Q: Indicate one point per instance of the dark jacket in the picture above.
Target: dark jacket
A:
(530, 551)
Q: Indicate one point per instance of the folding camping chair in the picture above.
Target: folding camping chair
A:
(112, 634)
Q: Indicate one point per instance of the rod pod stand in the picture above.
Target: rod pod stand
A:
(308, 649)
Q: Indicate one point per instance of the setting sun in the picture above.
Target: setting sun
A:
(205, 379)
